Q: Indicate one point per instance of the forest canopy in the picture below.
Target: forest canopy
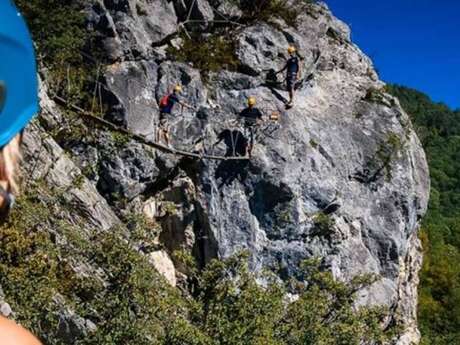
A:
(438, 128)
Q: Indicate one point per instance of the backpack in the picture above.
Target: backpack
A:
(164, 101)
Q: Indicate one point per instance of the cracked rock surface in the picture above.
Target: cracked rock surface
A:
(342, 176)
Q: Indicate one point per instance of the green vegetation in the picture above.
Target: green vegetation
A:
(438, 128)
(129, 302)
(126, 299)
(377, 96)
(169, 207)
(313, 143)
(387, 150)
(216, 51)
(324, 225)
(58, 30)
(208, 54)
(120, 139)
(270, 10)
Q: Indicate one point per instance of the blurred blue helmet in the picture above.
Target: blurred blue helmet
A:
(18, 74)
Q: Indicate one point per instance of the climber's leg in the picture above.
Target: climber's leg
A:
(291, 80)
(251, 141)
(166, 133)
(163, 130)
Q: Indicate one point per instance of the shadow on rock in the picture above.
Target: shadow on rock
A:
(229, 171)
(273, 84)
(234, 141)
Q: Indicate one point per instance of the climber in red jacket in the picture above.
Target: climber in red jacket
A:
(166, 106)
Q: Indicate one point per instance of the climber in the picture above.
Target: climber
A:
(293, 69)
(166, 106)
(251, 117)
(18, 104)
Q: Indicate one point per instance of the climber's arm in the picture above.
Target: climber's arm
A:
(283, 69)
(11, 333)
(186, 105)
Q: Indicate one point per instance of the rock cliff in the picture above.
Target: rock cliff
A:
(341, 176)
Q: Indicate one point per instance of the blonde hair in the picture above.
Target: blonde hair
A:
(9, 165)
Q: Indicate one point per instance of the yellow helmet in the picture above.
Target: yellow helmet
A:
(291, 49)
(251, 101)
(178, 88)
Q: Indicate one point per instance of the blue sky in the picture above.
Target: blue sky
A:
(415, 43)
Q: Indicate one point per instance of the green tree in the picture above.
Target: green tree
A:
(438, 128)
(129, 302)
(60, 37)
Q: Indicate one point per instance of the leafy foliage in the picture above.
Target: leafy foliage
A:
(58, 31)
(57, 28)
(387, 150)
(236, 309)
(439, 130)
(208, 54)
(129, 302)
(40, 253)
(269, 10)
(324, 225)
(212, 53)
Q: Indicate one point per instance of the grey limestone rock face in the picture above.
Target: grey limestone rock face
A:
(131, 91)
(260, 47)
(129, 172)
(45, 160)
(130, 28)
(71, 326)
(5, 309)
(342, 176)
(195, 10)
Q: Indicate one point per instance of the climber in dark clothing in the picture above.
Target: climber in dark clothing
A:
(251, 117)
(293, 72)
(166, 106)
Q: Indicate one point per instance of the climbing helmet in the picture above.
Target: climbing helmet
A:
(251, 101)
(18, 74)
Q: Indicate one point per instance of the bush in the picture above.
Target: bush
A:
(59, 34)
(387, 151)
(127, 300)
(212, 53)
(323, 225)
(439, 292)
(208, 54)
(57, 28)
(130, 302)
(238, 310)
(270, 10)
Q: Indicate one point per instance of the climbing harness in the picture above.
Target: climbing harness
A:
(274, 116)
(18, 74)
